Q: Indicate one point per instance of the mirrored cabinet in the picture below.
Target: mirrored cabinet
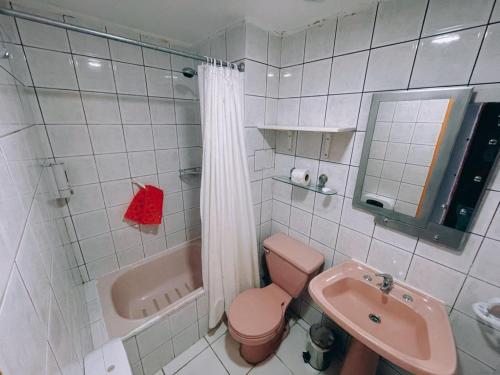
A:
(426, 158)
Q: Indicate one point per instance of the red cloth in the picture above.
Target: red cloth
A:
(146, 206)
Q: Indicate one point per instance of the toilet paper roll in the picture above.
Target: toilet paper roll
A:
(300, 177)
(61, 178)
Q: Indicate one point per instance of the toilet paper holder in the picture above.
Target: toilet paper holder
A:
(319, 188)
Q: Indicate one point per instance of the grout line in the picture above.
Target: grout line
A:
(97, 169)
(13, 76)
(418, 44)
(492, 11)
(18, 131)
(89, 134)
(261, 179)
(165, 98)
(18, 244)
(154, 151)
(192, 359)
(35, 90)
(110, 59)
(477, 359)
(477, 56)
(215, 353)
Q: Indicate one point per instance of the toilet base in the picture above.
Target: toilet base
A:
(254, 354)
(359, 360)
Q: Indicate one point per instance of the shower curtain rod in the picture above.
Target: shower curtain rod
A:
(68, 26)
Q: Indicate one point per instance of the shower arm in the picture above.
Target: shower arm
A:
(85, 30)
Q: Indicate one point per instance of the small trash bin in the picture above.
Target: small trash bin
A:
(319, 353)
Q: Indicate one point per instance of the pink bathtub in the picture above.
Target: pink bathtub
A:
(140, 294)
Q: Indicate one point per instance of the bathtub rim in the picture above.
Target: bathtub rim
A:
(104, 286)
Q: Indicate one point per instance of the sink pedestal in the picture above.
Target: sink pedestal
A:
(359, 360)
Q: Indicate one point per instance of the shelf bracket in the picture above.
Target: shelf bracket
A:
(327, 142)
(290, 140)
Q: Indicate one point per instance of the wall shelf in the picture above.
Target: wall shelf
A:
(315, 188)
(327, 139)
(306, 128)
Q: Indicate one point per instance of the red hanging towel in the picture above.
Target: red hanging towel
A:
(146, 206)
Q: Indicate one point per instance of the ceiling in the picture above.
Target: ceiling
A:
(190, 21)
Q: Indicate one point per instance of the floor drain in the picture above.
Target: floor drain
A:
(375, 318)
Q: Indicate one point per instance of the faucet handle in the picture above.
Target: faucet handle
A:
(386, 285)
(384, 275)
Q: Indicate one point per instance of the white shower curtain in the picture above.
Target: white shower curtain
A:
(229, 244)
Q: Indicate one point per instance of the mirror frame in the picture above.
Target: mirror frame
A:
(408, 224)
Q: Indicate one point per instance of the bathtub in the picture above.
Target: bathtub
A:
(135, 297)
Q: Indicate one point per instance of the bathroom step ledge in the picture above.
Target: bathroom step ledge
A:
(110, 359)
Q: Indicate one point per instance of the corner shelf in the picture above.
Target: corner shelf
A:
(306, 128)
(190, 171)
(314, 188)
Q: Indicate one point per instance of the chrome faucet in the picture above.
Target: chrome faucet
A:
(386, 285)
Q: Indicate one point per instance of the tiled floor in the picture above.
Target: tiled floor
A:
(217, 353)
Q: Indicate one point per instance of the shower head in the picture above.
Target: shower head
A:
(189, 72)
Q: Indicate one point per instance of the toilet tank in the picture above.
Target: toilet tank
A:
(291, 263)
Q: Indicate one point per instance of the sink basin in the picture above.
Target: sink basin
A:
(406, 326)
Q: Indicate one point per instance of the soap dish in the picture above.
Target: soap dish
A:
(488, 312)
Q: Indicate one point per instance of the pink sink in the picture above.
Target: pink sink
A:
(414, 334)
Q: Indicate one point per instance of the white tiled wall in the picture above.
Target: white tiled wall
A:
(128, 113)
(44, 326)
(397, 45)
(116, 112)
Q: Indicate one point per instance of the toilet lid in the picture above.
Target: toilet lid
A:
(255, 313)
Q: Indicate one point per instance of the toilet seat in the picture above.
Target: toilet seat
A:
(257, 314)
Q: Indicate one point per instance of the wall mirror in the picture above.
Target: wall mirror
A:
(426, 157)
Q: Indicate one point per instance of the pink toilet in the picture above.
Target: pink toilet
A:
(257, 316)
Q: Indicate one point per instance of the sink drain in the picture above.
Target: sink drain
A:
(375, 318)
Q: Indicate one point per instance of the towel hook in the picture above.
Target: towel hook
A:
(142, 186)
